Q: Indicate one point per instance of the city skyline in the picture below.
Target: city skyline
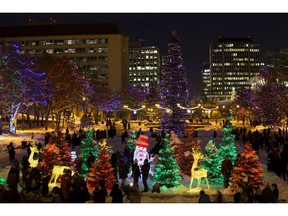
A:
(195, 30)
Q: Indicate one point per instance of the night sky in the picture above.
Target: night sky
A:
(195, 30)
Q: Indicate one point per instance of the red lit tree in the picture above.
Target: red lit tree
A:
(101, 169)
(249, 166)
(183, 152)
(56, 152)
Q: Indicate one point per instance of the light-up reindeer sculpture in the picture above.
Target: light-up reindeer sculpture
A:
(197, 172)
(32, 161)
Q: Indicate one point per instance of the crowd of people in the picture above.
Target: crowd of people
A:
(26, 184)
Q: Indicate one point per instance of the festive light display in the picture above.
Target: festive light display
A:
(173, 88)
(183, 152)
(56, 152)
(212, 162)
(131, 141)
(140, 152)
(197, 172)
(88, 146)
(167, 172)
(101, 169)
(227, 146)
(2, 180)
(21, 83)
(33, 162)
(248, 166)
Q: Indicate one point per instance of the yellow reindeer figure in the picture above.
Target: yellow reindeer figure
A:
(197, 172)
(32, 161)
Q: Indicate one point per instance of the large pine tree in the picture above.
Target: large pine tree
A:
(227, 146)
(167, 172)
(212, 162)
(249, 166)
(101, 169)
(173, 88)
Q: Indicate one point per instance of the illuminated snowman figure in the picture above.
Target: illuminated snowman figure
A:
(140, 152)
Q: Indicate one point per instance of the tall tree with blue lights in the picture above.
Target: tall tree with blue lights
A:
(173, 88)
(21, 83)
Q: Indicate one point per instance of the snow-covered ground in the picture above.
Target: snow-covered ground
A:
(180, 195)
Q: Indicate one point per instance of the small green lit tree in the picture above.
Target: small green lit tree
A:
(212, 162)
(227, 146)
(167, 172)
(132, 141)
(88, 145)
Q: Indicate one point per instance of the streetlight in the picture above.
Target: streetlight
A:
(166, 109)
(209, 110)
(134, 110)
(189, 109)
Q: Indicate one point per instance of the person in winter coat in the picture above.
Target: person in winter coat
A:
(226, 169)
(123, 171)
(267, 194)
(275, 191)
(136, 173)
(204, 198)
(11, 152)
(116, 194)
(100, 193)
(145, 168)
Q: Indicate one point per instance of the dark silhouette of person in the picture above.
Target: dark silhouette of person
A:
(145, 168)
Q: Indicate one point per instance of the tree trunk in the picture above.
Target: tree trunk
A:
(42, 119)
(29, 121)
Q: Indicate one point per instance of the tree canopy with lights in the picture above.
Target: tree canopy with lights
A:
(21, 83)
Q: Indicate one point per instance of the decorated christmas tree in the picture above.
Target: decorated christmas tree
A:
(247, 166)
(88, 146)
(2, 180)
(70, 121)
(101, 169)
(56, 152)
(131, 141)
(182, 152)
(167, 172)
(173, 88)
(86, 121)
(227, 146)
(212, 162)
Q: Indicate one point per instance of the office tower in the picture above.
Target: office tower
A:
(233, 61)
(277, 64)
(144, 65)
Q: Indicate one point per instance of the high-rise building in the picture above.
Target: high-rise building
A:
(206, 82)
(277, 63)
(233, 61)
(144, 65)
(99, 50)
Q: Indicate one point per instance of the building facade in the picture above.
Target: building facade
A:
(99, 50)
(144, 65)
(277, 64)
(233, 61)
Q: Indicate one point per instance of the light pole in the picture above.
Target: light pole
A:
(166, 109)
(190, 110)
(209, 110)
(134, 110)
